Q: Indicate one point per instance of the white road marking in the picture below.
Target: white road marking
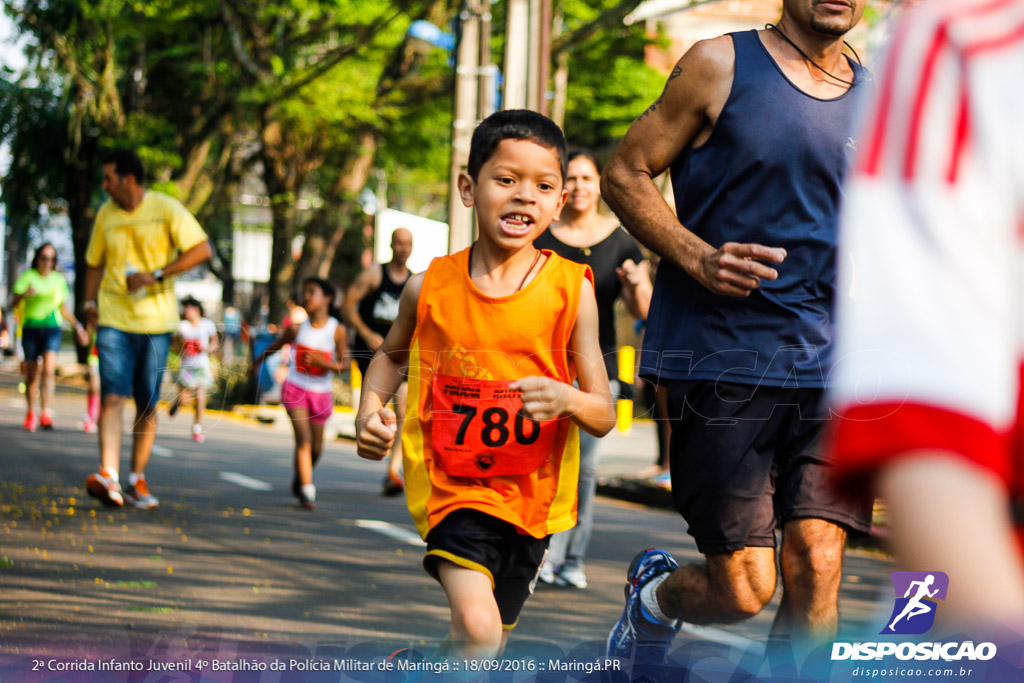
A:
(247, 482)
(162, 451)
(392, 531)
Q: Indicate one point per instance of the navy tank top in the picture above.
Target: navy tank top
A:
(770, 173)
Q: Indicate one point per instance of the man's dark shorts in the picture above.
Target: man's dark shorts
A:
(746, 458)
(475, 540)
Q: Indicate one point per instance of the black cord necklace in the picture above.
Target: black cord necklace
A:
(814, 63)
(533, 265)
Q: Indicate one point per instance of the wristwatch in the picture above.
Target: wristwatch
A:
(159, 274)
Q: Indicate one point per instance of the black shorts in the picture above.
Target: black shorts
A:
(746, 458)
(475, 540)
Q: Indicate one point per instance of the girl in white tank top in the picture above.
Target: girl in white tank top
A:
(307, 394)
(312, 343)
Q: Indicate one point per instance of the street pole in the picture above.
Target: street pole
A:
(517, 54)
(560, 82)
(460, 218)
(543, 55)
(533, 50)
(488, 70)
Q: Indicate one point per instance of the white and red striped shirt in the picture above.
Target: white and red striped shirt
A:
(931, 307)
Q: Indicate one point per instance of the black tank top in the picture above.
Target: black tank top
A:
(379, 308)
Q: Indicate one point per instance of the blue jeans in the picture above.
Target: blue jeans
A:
(132, 365)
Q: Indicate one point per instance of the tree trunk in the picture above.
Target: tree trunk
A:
(282, 183)
(79, 181)
(282, 261)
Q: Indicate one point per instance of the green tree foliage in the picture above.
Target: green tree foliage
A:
(609, 81)
(302, 91)
(316, 98)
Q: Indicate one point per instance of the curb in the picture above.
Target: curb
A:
(640, 491)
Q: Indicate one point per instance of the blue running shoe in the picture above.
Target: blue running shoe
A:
(637, 633)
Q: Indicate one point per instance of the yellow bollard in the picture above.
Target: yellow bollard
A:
(624, 406)
(356, 381)
(356, 376)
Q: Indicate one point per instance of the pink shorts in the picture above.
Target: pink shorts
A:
(318, 405)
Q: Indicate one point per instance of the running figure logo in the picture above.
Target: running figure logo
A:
(914, 613)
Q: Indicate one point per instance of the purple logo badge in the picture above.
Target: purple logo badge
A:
(916, 596)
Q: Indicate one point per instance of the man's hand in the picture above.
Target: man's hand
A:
(543, 398)
(735, 269)
(376, 434)
(92, 317)
(138, 280)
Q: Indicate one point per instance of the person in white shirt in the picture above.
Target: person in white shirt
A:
(320, 351)
(194, 340)
(931, 310)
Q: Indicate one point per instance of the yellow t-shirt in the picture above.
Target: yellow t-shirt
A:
(148, 238)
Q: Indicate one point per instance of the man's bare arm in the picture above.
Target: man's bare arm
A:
(686, 110)
(365, 282)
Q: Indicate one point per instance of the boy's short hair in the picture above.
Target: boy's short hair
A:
(126, 162)
(515, 124)
(325, 286)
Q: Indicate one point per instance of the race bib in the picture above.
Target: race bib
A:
(192, 347)
(478, 429)
(302, 360)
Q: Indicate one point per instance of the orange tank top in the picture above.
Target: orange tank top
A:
(465, 443)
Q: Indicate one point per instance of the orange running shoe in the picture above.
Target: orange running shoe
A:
(139, 495)
(100, 485)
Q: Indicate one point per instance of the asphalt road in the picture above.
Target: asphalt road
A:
(228, 567)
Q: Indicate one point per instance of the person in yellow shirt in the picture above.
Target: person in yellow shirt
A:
(493, 338)
(140, 239)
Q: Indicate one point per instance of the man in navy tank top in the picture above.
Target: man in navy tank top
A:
(754, 128)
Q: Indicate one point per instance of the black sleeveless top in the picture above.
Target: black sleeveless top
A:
(379, 308)
(603, 258)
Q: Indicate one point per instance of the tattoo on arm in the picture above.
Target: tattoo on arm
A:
(677, 71)
(653, 108)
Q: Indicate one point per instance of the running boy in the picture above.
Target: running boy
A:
(494, 337)
(307, 393)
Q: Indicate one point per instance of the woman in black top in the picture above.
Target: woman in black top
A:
(585, 236)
